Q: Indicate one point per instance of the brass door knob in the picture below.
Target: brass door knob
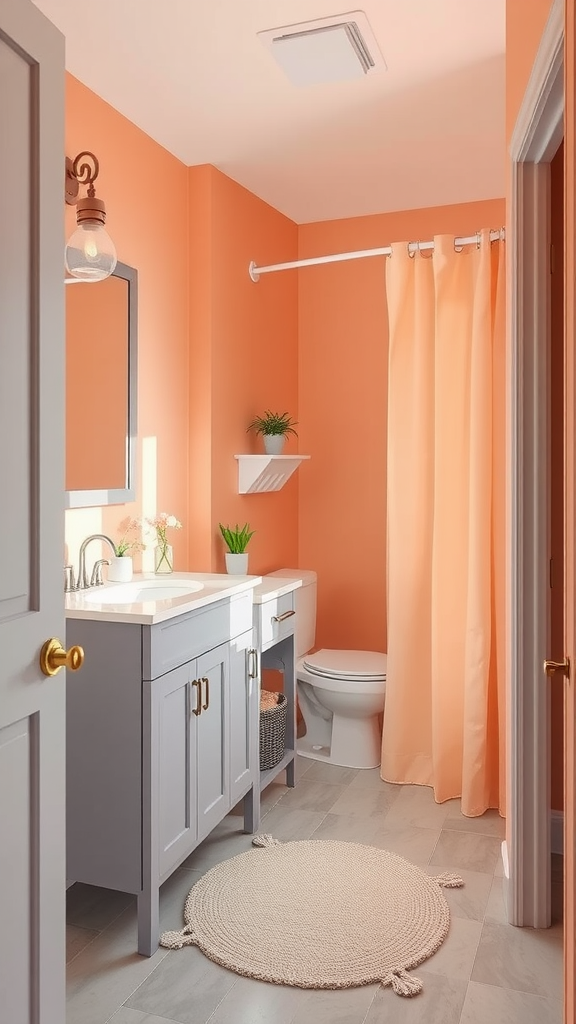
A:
(53, 657)
(550, 667)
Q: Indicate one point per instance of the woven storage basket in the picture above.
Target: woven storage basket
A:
(272, 733)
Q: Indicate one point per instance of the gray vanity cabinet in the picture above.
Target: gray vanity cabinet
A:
(161, 746)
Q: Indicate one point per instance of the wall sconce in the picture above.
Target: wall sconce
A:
(90, 254)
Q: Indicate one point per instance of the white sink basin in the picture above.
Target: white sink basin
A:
(144, 590)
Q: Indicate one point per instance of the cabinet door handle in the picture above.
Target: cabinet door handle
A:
(207, 704)
(252, 663)
(285, 615)
(198, 709)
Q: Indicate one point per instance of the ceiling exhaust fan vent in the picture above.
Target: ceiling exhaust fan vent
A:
(336, 49)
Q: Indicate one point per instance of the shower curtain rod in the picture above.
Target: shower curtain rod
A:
(386, 250)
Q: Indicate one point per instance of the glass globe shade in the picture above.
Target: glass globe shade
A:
(90, 254)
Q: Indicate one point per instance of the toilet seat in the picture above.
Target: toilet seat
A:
(360, 666)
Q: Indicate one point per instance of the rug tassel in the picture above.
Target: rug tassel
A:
(265, 841)
(403, 984)
(449, 880)
(175, 940)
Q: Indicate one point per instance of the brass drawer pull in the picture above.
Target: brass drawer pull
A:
(285, 615)
(198, 709)
(207, 704)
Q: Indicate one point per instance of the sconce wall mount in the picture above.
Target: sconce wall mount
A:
(90, 252)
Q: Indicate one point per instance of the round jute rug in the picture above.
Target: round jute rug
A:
(317, 914)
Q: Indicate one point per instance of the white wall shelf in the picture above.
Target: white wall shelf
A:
(258, 473)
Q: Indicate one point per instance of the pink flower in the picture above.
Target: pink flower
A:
(126, 544)
(161, 522)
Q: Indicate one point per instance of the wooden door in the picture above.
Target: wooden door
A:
(570, 514)
(213, 732)
(32, 705)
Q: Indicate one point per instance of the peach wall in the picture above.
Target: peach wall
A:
(343, 411)
(243, 359)
(214, 349)
(525, 21)
(146, 195)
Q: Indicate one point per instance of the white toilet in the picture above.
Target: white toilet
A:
(340, 693)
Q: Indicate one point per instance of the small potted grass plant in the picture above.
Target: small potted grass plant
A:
(275, 428)
(236, 539)
(121, 567)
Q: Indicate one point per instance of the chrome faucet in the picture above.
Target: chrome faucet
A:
(82, 583)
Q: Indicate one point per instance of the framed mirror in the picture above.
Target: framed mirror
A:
(101, 388)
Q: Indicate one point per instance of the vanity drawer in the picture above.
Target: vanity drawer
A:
(166, 645)
(276, 619)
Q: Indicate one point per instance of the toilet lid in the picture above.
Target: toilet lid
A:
(364, 665)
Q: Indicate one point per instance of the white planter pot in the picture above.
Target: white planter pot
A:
(237, 565)
(274, 443)
(120, 569)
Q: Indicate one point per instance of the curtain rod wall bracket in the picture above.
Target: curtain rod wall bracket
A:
(254, 275)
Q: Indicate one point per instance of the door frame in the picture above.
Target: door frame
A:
(537, 134)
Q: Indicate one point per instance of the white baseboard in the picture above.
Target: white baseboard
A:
(557, 831)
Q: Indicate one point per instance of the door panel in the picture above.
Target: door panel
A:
(19, 806)
(242, 768)
(175, 728)
(32, 707)
(570, 514)
(213, 740)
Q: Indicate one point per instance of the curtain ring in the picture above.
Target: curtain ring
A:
(478, 239)
(411, 254)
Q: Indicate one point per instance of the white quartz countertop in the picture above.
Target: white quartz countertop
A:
(274, 586)
(84, 604)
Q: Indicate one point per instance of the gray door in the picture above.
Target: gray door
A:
(242, 721)
(175, 703)
(32, 715)
(213, 739)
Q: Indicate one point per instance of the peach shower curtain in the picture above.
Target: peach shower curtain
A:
(444, 715)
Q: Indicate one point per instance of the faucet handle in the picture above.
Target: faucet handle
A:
(69, 581)
(96, 578)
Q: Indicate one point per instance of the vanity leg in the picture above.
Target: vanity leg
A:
(148, 921)
(252, 810)
(291, 773)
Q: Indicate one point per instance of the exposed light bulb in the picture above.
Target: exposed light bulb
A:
(90, 254)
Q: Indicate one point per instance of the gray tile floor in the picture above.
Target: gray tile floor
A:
(486, 971)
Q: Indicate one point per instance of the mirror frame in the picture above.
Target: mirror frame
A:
(120, 495)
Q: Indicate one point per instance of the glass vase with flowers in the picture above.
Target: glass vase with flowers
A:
(163, 554)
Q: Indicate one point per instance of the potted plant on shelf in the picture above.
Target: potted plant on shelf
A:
(236, 540)
(275, 428)
(121, 566)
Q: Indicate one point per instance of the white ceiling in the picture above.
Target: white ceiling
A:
(428, 131)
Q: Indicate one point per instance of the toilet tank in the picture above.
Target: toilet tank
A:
(305, 604)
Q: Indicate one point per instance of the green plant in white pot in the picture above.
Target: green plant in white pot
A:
(236, 539)
(275, 428)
